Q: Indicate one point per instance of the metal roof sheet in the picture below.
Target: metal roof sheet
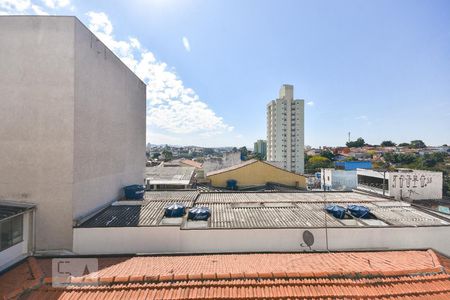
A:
(263, 210)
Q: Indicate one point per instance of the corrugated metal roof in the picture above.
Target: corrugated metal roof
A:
(285, 197)
(149, 214)
(189, 195)
(169, 175)
(263, 210)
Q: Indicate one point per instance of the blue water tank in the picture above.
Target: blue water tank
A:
(134, 192)
(336, 210)
(232, 184)
(175, 210)
(199, 214)
(359, 211)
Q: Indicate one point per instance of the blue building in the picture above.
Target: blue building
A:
(353, 165)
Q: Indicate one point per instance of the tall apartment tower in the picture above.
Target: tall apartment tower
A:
(286, 131)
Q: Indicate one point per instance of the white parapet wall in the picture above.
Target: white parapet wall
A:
(404, 184)
(168, 240)
(415, 185)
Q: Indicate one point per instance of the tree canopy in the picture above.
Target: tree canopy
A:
(418, 144)
(356, 144)
(388, 144)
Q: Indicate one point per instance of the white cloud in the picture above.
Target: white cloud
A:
(38, 10)
(56, 3)
(365, 119)
(14, 6)
(173, 110)
(172, 107)
(186, 44)
(21, 7)
(310, 103)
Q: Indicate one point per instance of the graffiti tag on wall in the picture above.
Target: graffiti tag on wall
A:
(411, 181)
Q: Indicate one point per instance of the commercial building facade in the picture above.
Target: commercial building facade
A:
(285, 130)
(72, 123)
(404, 184)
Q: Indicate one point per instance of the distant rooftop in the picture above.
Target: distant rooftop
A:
(169, 175)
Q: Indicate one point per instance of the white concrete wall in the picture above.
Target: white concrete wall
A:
(339, 180)
(216, 163)
(37, 121)
(415, 185)
(110, 118)
(72, 122)
(174, 240)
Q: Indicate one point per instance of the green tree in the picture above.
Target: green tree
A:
(388, 144)
(418, 144)
(167, 155)
(156, 155)
(208, 151)
(356, 144)
(328, 154)
(244, 153)
(400, 158)
(315, 163)
(404, 145)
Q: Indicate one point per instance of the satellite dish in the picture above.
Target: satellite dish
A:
(308, 238)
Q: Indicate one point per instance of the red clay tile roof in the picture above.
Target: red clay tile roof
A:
(191, 163)
(367, 275)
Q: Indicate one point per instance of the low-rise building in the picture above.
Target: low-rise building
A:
(227, 160)
(255, 173)
(170, 177)
(338, 180)
(404, 184)
(261, 222)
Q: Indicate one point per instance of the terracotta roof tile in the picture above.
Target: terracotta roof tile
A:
(368, 275)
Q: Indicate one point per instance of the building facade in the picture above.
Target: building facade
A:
(260, 147)
(285, 130)
(72, 123)
(403, 184)
(253, 173)
(338, 180)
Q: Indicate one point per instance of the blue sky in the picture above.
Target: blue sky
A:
(379, 69)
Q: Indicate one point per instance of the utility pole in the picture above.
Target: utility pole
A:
(349, 136)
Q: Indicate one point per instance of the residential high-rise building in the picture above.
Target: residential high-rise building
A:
(286, 130)
(260, 147)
